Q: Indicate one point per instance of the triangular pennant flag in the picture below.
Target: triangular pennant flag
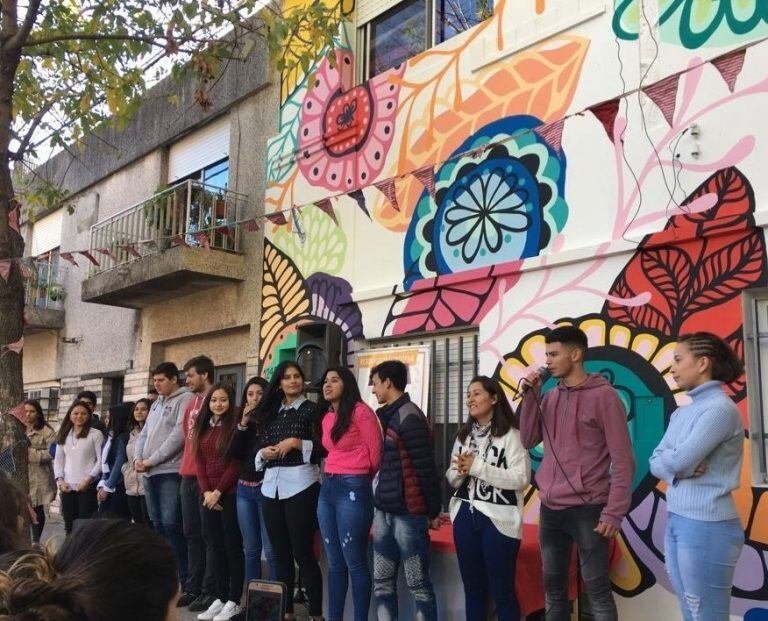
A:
(202, 239)
(67, 256)
(552, 133)
(17, 346)
(389, 190)
(664, 95)
(426, 176)
(250, 225)
(176, 240)
(325, 206)
(277, 217)
(297, 225)
(730, 66)
(18, 412)
(108, 253)
(359, 198)
(606, 113)
(5, 269)
(226, 232)
(27, 272)
(88, 256)
(131, 250)
(14, 215)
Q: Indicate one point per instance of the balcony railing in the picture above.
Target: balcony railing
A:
(189, 212)
(45, 289)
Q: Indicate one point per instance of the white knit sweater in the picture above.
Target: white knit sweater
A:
(78, 458)
(497, 478)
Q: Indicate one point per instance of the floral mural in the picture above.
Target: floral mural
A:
(522, 175)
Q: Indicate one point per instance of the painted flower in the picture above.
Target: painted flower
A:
(345, 132)
(494, 206)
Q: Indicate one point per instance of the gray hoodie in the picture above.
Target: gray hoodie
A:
(161, 441)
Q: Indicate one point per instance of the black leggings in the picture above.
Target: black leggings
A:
(137, 506)
(78, 506)
(291, 524)
(222, 532)
(37, 529)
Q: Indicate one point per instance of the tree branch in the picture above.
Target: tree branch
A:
(92, 36)
(32, 128)
(17, 40)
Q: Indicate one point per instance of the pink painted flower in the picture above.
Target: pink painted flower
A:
(345, 132)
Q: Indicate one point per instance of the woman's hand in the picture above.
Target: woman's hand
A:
(84, 484)
(102, 495)
(211, 499)
(463, 462)
(63, 486)
(700, 469)
(269, 453)
(246, 417)
(288, 445)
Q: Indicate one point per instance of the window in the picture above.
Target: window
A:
(756, 359)
(392, 32)
(49, 401)
(454, 364)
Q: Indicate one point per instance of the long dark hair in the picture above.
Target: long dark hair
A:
(106, 569)
(273, 396)
(40, 421)
(726, 366)
(350, 396)
(258, 381)
(228, 420)
(503, 419)
(119, 416)
(66, 424)
(133, 423)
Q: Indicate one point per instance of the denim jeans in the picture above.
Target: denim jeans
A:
(558, 531)
(345, 513)
(200, 555)
(406, 538)
(701, 558)
(254, 531)
(487, 561)
(164, 507)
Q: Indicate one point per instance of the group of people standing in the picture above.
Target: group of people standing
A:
(224, 482)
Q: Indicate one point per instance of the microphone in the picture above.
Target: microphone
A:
(544, 374)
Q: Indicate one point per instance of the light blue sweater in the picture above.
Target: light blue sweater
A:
(708, 429)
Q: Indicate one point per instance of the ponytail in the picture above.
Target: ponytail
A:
(726, 366)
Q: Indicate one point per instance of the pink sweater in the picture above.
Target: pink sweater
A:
(359, 449)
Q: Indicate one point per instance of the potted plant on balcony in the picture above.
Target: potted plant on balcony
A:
(56, 292)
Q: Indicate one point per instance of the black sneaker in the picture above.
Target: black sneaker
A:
(203, 602)
(186, 599)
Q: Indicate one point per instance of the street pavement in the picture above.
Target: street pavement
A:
(54, 530)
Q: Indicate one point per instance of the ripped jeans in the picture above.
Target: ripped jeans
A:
(701, 558)
(345, 513)
(403, 538)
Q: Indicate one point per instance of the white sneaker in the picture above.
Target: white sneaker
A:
(230, 610)
(212, 611)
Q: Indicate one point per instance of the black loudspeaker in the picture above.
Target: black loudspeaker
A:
(319, 345)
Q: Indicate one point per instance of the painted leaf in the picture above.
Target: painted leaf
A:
(723, 274)
(645, 316)
(438, 307)
(325, 248)
(669, 269)
(284, 296)
(332, 301)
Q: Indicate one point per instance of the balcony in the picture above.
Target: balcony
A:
(173, 243)
(44, 295)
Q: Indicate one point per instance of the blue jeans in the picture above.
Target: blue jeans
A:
(163, 494)
(254, 531)
(487, 561)
(701, 558)
(406, 538)
(345, 513)
(559, 529)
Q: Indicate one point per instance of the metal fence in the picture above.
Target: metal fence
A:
(189, 213)
(45, 287)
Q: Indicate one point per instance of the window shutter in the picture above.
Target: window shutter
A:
(366, 10)
(46, 233)
(200, 149)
